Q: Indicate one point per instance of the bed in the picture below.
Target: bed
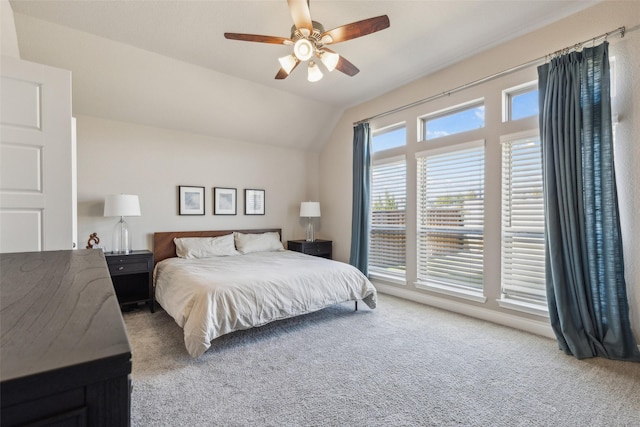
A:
(216, 282)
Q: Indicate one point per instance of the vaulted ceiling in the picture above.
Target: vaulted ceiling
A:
(166, 63)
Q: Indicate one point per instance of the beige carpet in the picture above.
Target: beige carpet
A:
(402, 364)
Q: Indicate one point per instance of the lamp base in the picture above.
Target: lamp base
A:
(121, 237)
(310, 234)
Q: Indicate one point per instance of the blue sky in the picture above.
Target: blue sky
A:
(461, 121)
(524, 105)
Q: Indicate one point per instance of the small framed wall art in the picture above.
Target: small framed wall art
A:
(190, 200)
(253, 202)
(224, 201)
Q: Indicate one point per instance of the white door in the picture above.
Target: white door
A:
(37, 166)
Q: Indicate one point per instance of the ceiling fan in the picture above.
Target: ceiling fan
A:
(309, 41)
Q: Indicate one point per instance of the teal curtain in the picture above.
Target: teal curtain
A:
(359, 256)
(586, 289)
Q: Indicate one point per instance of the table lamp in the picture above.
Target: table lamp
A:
(121, 205)
(310, 210)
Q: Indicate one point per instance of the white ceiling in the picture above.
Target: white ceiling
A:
(424, 36)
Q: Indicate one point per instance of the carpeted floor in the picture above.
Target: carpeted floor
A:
(402, 364)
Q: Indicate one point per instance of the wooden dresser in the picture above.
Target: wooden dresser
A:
(65, 356)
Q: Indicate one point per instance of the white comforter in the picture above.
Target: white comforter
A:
(214, 296)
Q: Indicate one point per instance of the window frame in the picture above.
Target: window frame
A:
(510, 93)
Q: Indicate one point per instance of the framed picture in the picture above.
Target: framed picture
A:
(253, 202)
(224, 201)
(190, 200)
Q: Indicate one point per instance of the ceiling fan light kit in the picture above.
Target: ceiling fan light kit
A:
(303, 49)
(309, 40)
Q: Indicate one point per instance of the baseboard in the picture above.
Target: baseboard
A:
(521, 323)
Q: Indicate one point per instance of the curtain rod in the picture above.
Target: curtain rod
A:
(577, 46)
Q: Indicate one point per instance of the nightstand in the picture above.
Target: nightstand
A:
(132, 277)
(321, 248)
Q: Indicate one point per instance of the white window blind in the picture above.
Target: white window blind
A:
(387, 247)
(523, 253)
(451, 216)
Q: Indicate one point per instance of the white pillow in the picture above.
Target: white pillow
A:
(258, 242)
(205, 247)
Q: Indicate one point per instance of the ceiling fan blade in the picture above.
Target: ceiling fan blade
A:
(356, 29)
(258, 38)
(300, 13)
(344, 65)
(347, 67)
(282, 74)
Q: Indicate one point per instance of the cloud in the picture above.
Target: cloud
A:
(437, 134)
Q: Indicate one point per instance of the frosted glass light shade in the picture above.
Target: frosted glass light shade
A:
(314, 74)
(330, 60)
(288, 62)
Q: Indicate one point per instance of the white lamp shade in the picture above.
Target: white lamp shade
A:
(310, 209)
(121, 205)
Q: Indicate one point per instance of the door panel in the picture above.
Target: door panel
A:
(36, 158)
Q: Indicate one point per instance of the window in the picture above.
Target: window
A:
(523, 250)
(450, 238)
(392, 137)
(520, 102)
(428, 227)
(456, 120)
(387, 240)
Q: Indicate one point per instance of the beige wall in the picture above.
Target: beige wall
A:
(116, 157)
(336, 157)
(8, 36)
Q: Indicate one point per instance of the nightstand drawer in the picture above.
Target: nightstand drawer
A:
(316, 248)
(129, 264)
(321, 248)
(128, 268)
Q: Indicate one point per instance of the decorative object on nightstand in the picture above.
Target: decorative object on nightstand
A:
(321, 248)
(94, 241)
(310, 210)
(121, 205)
(132, 277)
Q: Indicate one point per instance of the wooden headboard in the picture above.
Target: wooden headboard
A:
(163, 246)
